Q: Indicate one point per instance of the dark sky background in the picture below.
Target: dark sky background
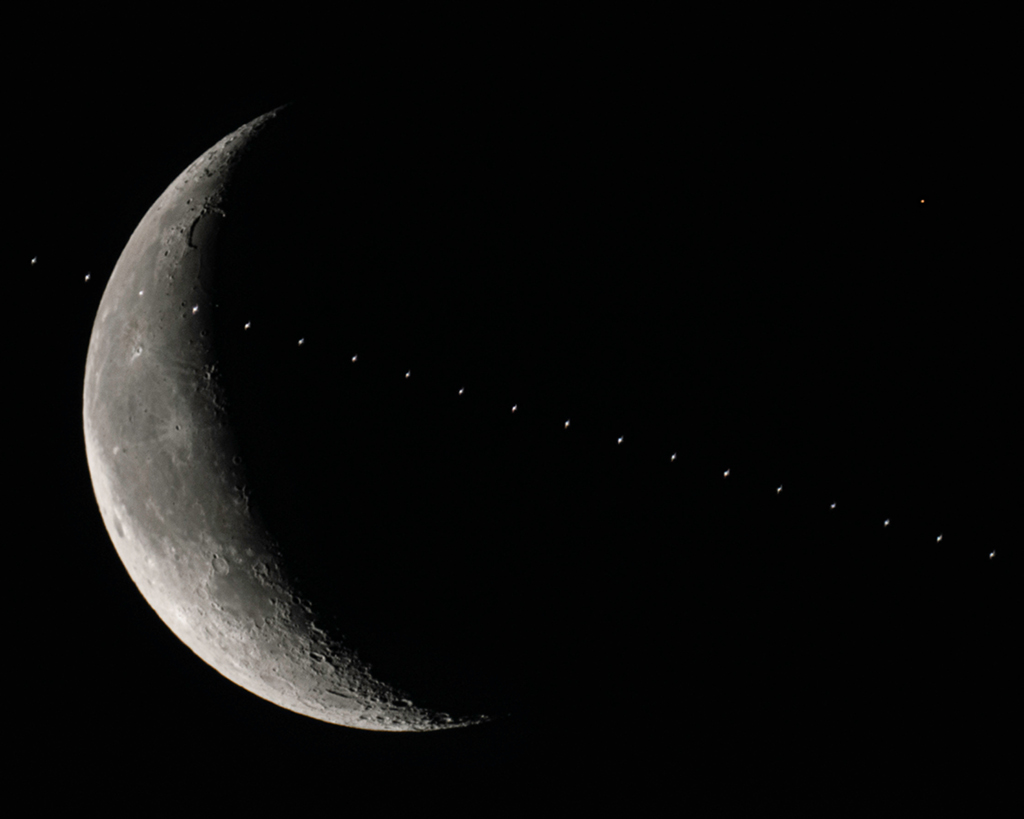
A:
(703, 256)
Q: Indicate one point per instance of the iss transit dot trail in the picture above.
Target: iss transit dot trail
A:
(497, 433)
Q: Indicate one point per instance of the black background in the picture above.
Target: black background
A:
(716, 255)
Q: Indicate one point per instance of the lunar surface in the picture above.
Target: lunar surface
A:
(169, 476)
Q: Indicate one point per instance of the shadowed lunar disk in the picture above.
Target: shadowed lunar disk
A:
(167, 466)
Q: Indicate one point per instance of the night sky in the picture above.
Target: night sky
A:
(598, 320)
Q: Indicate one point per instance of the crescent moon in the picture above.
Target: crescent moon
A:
(168, 477)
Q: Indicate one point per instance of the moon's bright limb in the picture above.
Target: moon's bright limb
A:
(166, 470)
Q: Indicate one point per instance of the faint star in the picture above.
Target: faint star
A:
(777, 491)
(461, 390)
(887, 521)
(833, 506)
(88, 276)
(726, 474)
(195, 308)
(34, 259)
(355, 357)
(673, 457)
(567, 424)
(991, 555)
(408, 373)
(938, 538)
(248, 324)
(620, 439)
(514, 407)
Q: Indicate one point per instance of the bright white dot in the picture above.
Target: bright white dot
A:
(887, 521)
(461, 390)
(34, 258)
(355, 357)
(567, 424)
(195, 308)
(833, 506)
(248, 324)
(777, 491)
(620, 439)
(991, 555)
(408, 373)
(673, 457)
(938, 538)
(140, 293)
(302, 341)
(514, 407)
(88, 276)
(725, 474)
